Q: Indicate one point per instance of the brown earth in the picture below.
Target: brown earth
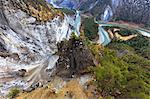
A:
(72, 90)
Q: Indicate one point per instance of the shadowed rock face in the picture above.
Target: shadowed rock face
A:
(2, 47)
(137, 11)
(75, 58)
(22, 34)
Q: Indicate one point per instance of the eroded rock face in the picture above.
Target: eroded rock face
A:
(75, 58)
(27, 41)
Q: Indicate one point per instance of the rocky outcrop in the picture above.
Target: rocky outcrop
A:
(75, 58)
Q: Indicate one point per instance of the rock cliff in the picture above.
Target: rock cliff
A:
(29, 33)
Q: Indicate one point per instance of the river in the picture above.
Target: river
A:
(104, 38)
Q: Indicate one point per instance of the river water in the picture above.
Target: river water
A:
(105, 39)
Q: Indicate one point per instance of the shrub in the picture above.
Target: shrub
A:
(13, 92)
(90, 28)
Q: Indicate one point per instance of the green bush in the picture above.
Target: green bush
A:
(13, 92)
